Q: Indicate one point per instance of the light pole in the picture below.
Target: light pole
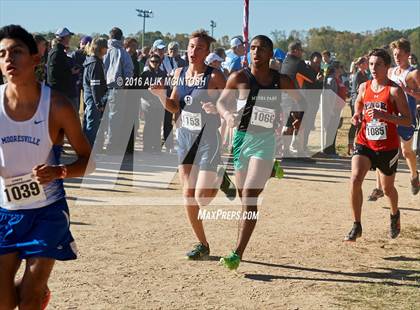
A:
(145, 14)
(212, 25)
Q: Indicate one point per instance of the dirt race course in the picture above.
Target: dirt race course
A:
(132, 257)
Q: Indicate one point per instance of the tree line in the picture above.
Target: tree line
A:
(345, 45)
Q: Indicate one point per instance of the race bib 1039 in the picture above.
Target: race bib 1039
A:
(22, 190)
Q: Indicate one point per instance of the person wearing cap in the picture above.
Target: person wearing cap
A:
(118, 67)
(59, 70)
(169, 69)
(233, 60)
(79, 55)
(214, 60)
(158, 48)
(167, 64)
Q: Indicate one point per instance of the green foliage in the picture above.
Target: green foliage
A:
(345, 45)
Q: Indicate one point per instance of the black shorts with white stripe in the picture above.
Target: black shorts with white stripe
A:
(385, 161)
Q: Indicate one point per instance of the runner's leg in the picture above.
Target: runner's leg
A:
(410, 156)
(360, 165)
(390, 191)
(9, 265)
(208, 184)
(188, 175)
(34, 281)
(257, 175)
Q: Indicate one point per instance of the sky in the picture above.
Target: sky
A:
(99, 16)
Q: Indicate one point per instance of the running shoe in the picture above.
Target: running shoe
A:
(200, 251)
(395, 227)
(415, 185)
(227, 186)
(376, 194)
(231, 261)
(277, 171)
(46, 299)
(355, 232)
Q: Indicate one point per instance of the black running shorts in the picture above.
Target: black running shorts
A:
(386, 161)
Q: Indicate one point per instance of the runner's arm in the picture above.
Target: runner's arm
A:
(229, 95)
(216, 84)
(63, 118)
(413, 83)
(358, 105)
(400, 100)
(170, 104)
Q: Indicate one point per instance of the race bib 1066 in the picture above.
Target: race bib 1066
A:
(22, 190)
(262, 117)
(191, 121)
(376, 131)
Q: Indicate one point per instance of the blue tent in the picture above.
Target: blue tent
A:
(279, 54)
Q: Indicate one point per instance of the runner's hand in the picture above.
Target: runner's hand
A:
(319, 77)
(158, 90)
(209, 107)
(45, 174)
(375, 113)
(405, 88)
(356, 119)
(230, 119)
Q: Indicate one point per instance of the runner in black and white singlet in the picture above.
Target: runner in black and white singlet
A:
(197, 88)
(34, 216)
(253, 91)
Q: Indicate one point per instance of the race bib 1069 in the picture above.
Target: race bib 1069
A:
(22, 190)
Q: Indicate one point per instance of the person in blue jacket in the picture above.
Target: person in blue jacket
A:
(95, 90)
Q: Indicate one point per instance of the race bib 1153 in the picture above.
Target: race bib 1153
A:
(191, 121)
